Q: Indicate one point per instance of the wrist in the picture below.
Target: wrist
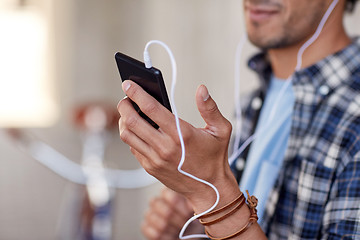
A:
(228, 190)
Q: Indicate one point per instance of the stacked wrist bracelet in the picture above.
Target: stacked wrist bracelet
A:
(230, 209)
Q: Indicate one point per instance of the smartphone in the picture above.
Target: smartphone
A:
(150, 79)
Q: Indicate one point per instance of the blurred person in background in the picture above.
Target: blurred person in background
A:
(304, 168)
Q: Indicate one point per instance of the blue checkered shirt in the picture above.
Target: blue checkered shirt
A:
(317, 192)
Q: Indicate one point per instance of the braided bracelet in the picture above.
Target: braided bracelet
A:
(223, 208)
(252, 203)
(232, 211)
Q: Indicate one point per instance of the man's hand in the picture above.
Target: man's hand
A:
(159, 151)
(166, 216)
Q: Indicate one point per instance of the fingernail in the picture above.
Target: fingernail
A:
(205, 94)
(120, 101)
(126, 85)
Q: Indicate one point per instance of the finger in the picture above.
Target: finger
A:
(140, 157)
(133, 140)
(131, 125)
(149, 105)
(151, 233)
(178, 202)
(154, 219)
(174, 219)
(144, 161)
(209, 111)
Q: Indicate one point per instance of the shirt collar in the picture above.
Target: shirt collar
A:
(261, 65)
(331, 71)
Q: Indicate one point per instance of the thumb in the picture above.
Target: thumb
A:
(209, 110)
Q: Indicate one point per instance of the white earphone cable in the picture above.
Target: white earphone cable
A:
(238, 150)
(237, 98)
(182, 160)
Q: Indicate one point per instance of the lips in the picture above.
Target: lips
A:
(261, 12)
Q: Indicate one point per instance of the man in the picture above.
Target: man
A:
(316, 192)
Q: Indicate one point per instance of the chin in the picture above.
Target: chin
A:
(267, 42)
(258, 41)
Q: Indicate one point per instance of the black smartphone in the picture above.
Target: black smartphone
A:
(150, 79)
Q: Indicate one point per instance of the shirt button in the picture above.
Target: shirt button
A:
(252, 64)
(256, 103)
(324, 90)
(240, 164)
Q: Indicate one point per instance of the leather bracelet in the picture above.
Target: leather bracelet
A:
(242, 230)
(232, 211)
(222, 208)
(252, 203)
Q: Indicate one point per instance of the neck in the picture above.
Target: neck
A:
(332, 39)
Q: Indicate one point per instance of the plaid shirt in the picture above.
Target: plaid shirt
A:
(317, 193)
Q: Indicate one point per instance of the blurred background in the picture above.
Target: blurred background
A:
(57, 57)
